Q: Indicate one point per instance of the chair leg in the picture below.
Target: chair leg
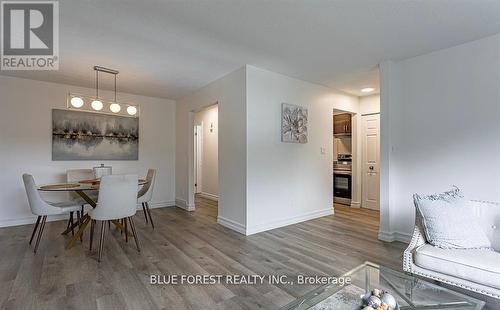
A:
(40, 232)
(149, 213)
(79, 220)
(134, 232)
(144, 210)
(34, 229)
(125, 224)
(92, 225)
(101, 242)
(69, 224)
(71, 221)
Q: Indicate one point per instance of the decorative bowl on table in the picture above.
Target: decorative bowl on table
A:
(378, 300)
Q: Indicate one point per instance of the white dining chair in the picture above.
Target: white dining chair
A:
(42, 208)
(146, 193)
(117, 200)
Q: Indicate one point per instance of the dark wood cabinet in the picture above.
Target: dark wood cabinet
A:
(342, 124)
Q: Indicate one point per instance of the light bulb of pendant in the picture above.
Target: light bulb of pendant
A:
(115, 107)
(97, 105)
(131, 110)
(76, 102)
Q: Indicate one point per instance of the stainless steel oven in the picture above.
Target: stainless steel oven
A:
(342, 179)
(342, 184)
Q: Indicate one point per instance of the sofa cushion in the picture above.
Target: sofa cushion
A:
(449, 222)
(481, 266)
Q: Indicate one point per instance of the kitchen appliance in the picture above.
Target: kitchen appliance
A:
(342, 179)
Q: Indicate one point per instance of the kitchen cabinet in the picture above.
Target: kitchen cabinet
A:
(342, 125)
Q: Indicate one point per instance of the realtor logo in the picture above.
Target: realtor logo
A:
(29, 35)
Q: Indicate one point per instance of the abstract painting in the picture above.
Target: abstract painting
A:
(80, 135)
(293, 123)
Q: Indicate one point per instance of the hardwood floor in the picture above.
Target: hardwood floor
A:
(184, 243)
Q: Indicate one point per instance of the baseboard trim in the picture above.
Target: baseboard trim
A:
(63, 217)
(355, 204)
(31, 220)
(159, 204)
(289, 221)
(233, 225)
(181, 203)
(209, 196)
(394, 236)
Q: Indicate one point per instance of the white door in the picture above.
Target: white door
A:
(371, 161)
(198, 149)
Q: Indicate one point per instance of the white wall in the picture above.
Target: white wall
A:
(369, 104)
(289, 182)
(440, 127)
(229, 92)
(208, 119)
(26, 143)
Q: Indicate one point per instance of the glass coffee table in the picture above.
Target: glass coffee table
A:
(410, 292)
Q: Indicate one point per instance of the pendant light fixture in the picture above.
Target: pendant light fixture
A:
(115, 107)
(97, 104)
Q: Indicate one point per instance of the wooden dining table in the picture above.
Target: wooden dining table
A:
(82, 188)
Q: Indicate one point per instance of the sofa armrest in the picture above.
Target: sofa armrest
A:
(417, 240)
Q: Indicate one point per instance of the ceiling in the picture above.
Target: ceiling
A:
(171, 48)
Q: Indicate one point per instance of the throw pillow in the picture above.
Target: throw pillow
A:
(448, 222)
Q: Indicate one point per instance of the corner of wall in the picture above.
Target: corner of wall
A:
(181, 203)
(394, 236)
(233, 225)
(288, 221)
(386, 97)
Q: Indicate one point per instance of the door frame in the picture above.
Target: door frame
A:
(198, 158)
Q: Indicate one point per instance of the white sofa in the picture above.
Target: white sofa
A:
(473, 270)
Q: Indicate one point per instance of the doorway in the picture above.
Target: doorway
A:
(205, 160)
(356, 164)
(342, 158)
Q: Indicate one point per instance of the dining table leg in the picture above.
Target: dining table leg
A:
(85, 221)
(120, 226)
(87, 199)
(69, 227)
